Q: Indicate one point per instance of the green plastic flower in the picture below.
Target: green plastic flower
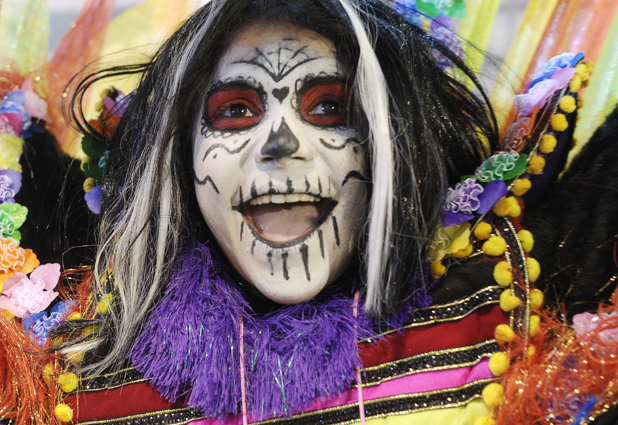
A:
(456, 9)
(12, 216)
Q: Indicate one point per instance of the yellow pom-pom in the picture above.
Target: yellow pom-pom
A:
(582, 70)
(463, 253)
(48, 372)
(493, 394)
(485, 420)
(437, 268)
(502, 207)
(508, 301)
(536, 164)
(104, 303)
(515, 210)
(498, 363)
(84, 160)
(7, 314)
(535, 324)
(531, 351)
(537, 299)
(90, 330)
(576, 84)
(559, 122)
(89, 183)
(534, 269)
(105, 92)
(63, 413)
(590, 65)
(483, 231)
(580, 101)
(99, 106)
(521, 186)
(548, 144)
(526, 239)
(75, 358)
(504, 334)
(68, 382)
(502, 274)
(568, 104)
(76, 315)
(494, 246)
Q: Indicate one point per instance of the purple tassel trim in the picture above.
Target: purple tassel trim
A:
(292, 356)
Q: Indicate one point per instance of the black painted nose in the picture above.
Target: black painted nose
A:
(280, 144)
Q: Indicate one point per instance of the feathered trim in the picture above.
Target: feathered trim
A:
(567, 375)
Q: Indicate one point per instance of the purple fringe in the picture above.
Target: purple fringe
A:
(292, 356)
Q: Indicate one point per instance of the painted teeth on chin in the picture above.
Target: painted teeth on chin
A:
(284, 199)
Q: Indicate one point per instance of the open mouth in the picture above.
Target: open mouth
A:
(282, 218)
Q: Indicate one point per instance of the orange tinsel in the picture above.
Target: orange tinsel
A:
(564, 375)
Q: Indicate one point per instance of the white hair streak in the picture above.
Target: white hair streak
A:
(374, 99)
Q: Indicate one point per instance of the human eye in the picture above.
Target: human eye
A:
(234, 109)
(325, 104)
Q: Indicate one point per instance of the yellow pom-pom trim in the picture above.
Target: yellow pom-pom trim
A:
(521, 186)
(90, 330)
(494, 246)
(568, 104)
(63, 413)
(463, 253)
(559, 122)
(48, 372)
(576, 84)
(582, 70)
(548, 144)
(536, 164)
(502, 274)
(504, 334)
(7, 314)
(483, 231)
(531, 351)
(534, 269)
(498, 363)
(76, 315)
(526, 239)
(485, 420)
(590, 65)
(89, 183)
(508, 301)
(437, 268)
(502, 207)
(493, 394)
(68, 382)
(75, 358)
(537, 299)
(535, 324)
(104, 303)
(515, 210)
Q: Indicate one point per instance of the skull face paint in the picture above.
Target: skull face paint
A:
(280, 175)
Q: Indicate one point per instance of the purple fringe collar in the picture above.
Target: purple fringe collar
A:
(294, 355)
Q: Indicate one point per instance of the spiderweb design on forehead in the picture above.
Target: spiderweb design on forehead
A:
(281, 60)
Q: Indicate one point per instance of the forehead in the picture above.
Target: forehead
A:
(276, 50)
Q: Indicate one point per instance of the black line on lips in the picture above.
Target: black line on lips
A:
(329, 188)
(336, 229)
(271, 189)
(284, 257)
(224, 147)
(321, 237)
(207, 179)
(304, 252)
(354, 175)
(270, 262)
(319, 185)
(253, 245)
(288, 183)
(307, 185)
(242, 227)
(240, 193)
(253, 190)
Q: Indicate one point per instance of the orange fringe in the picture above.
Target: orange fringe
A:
(552, 385)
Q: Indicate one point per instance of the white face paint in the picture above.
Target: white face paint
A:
(280, 176)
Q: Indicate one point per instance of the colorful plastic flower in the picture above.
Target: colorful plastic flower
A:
(585, 324)
(15, 259)
(494, 191)
(453, 8)
(538, 94)
(448, 240)
(93, 199)
(15, 102)
(464, 197)
(12, 216)
(34, 105)
(565, 60)
(11, 148)
(22, 295)
(501, 166)
(442, 29)
(7, 122)
(40, 323)
(10, 183)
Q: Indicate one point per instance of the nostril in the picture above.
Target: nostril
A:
(266, 160)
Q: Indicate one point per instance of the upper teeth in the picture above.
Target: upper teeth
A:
(282, 199)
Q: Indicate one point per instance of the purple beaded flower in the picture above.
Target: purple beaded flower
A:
(464, 197)
(10, 183)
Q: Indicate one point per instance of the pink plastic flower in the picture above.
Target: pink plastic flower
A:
(6, 126)
(540, 92)
(586, 323)
(22, 295)
(35, 106)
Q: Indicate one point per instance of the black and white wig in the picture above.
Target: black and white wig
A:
(424, 126)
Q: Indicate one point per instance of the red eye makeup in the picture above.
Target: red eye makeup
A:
(234, 109)
(325, 104)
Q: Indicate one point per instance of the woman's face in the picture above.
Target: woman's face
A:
(280, 174)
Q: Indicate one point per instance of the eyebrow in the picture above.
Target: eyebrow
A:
(310, 81)
(241, 83)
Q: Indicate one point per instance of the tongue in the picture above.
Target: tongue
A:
(285, 222)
